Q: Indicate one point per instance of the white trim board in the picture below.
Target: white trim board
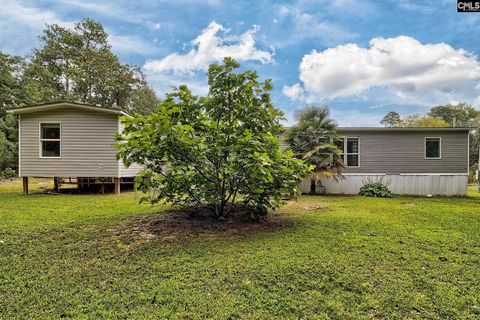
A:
(439, 148)
(364, 174)
(19, 145)
(434, 174)
(468, 153)
(404, 174)
(119, 164)
(445, 185)
(345, 153)
(65, 104)
(40, 140)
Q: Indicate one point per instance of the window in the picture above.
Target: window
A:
(50, 140)
(351, 151)
(433, 148)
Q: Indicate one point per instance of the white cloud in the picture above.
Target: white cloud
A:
(210, 47)
(29, 16)
(122, 11)
(130, 45)
(408, 69)
(195, 2)
(163, 82)
(423, 7)
(21, 25)
(294, 92)
(354, 118)
(304, 25)
(359, 7)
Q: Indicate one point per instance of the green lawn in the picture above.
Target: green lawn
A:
(94, 256)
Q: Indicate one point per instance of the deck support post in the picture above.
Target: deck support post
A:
(55, 184)
(478, 179)
(117, 185)
(25, 185)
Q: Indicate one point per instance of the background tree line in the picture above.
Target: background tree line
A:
(449, 115)
(74, 64)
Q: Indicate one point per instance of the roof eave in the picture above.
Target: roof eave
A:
(396, 129)
(59, 104)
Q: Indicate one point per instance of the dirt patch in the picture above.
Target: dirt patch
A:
(409, 204)
(295, 206)
(173, 225)
(311, 207)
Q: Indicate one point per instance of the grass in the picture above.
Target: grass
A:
(338, 257)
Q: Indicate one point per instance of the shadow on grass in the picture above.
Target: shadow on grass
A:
(176, 224)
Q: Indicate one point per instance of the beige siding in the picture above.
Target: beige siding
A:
(404, 152)
(133, 169)
(86, 146)
(283, 144)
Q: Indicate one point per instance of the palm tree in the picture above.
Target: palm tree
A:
(314, 139)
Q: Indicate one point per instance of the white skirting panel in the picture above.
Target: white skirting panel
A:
(411, 184)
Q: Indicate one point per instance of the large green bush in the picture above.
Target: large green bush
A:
(8, 142)
(216, 150)
(375, 189)
(8, 173)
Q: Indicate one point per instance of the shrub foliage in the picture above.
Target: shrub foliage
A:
(8, 173)
(375, 189)
(211, 151)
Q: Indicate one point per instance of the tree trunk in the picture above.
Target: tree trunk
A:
(55, 184)
(220, 210)
(313, 186)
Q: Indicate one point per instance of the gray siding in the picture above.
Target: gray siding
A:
(86, 146)
(403, 152)
(131, 171)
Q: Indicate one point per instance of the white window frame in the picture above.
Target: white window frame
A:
(345, 154)
(425, 148)
(40, 140)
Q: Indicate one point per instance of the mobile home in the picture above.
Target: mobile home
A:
(71, 141)
(412, 161)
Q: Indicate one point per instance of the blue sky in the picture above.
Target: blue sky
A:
(362, 58)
